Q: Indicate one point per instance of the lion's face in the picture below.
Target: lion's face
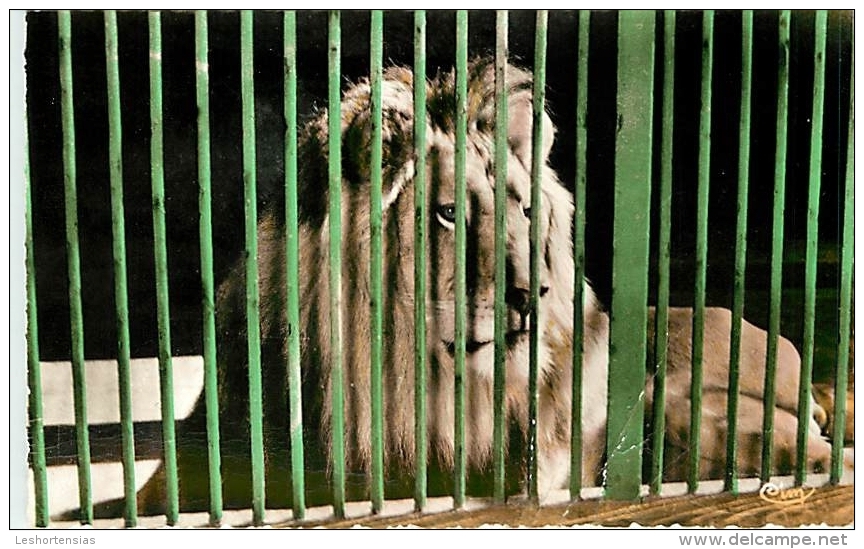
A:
(480, 256)
(399, 175)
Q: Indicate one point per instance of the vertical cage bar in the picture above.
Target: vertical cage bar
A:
(34, 368)
(811, 264)
(777, 246)
(375, 262)
(420, 215)
(701, 262)
(247, 90)
(630, 253)
(334, 145)
(460, 286)
(82, 437)
(537, 161)
(731, 473)
(292, 254)
(661, 319)
(501, 153)
(579, 193)
(847, 255)
(205, 229)
(157, 178)
(121, 298)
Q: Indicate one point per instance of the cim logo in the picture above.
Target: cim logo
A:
(772, 493)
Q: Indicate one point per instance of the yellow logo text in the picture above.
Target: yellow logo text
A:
(785, 496)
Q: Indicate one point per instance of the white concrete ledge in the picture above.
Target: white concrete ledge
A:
(103, 390)
(103, 407)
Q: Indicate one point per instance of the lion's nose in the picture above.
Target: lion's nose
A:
(519, 299)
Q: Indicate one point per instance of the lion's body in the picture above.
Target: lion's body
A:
(714, 400)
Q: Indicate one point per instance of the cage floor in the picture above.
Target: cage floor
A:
(819, 504)
(830, 505)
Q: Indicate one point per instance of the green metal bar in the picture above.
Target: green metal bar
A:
(292, 243)
(812, 246)
(34, 368)
(460, 286)
(846, 265)
(579, 252)
(661, 318)
(630, 253)
(335, 267)
(121, 299)
(731, 473)
(157, 178)
(76, 316)
(247, 90)
(501, 153)
(420, 220)
(205, 229)
(701, 263)
(375, 262)
(770, 397)
(536, 254)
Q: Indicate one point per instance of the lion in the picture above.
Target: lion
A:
(553, 317)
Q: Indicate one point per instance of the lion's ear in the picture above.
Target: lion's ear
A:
(396, 129)
(356, 138)
(520, 127)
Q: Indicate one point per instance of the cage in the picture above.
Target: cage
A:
(163, 145)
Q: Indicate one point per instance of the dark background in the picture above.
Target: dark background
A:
(94, 216)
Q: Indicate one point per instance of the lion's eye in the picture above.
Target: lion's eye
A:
(527, 212)
(446, 214)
